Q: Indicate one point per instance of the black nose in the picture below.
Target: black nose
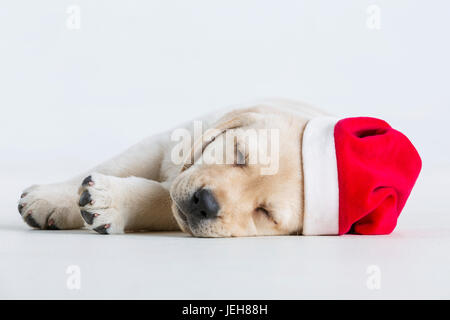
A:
(204, 204)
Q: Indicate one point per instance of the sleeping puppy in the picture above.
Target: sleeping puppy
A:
(168, 181)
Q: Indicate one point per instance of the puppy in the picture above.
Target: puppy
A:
(166, 183)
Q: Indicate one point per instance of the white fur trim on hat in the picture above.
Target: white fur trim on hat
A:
(320, 174)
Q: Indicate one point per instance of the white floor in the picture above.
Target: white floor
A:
(413, 262)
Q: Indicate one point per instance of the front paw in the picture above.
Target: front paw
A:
(50, 207)
(98, 204)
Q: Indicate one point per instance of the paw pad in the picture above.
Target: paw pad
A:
(88, 217)
(51, 225)
(85, 198)
(87, 181)
(103, 229)
(31, 222)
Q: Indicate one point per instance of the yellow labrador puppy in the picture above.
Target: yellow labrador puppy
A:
(194, 178)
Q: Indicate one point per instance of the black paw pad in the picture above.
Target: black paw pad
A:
(88, 217)
(87, 181)
(31, 222)
(52, 227)
(103, 229)
(85, 198)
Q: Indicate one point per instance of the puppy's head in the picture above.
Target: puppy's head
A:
(243, 177)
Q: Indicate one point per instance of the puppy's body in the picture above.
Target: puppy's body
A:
(143, 189)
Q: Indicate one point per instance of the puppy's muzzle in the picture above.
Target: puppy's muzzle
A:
(202, 205)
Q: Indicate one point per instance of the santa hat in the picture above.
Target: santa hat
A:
(358, 174)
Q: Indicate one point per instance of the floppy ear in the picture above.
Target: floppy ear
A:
(231, 120)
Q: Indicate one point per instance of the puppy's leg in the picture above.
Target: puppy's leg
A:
(111, 204)
(55, 206)
(52, 206)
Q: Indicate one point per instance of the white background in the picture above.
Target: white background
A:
(72, 98)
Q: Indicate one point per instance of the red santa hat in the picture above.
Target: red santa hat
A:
(358, 174)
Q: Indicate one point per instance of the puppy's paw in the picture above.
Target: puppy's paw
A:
(51, 207)
(99, 204)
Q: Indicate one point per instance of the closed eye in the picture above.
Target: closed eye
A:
(266, 213)
(240, 157)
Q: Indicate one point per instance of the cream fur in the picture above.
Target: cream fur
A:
(136, 190)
